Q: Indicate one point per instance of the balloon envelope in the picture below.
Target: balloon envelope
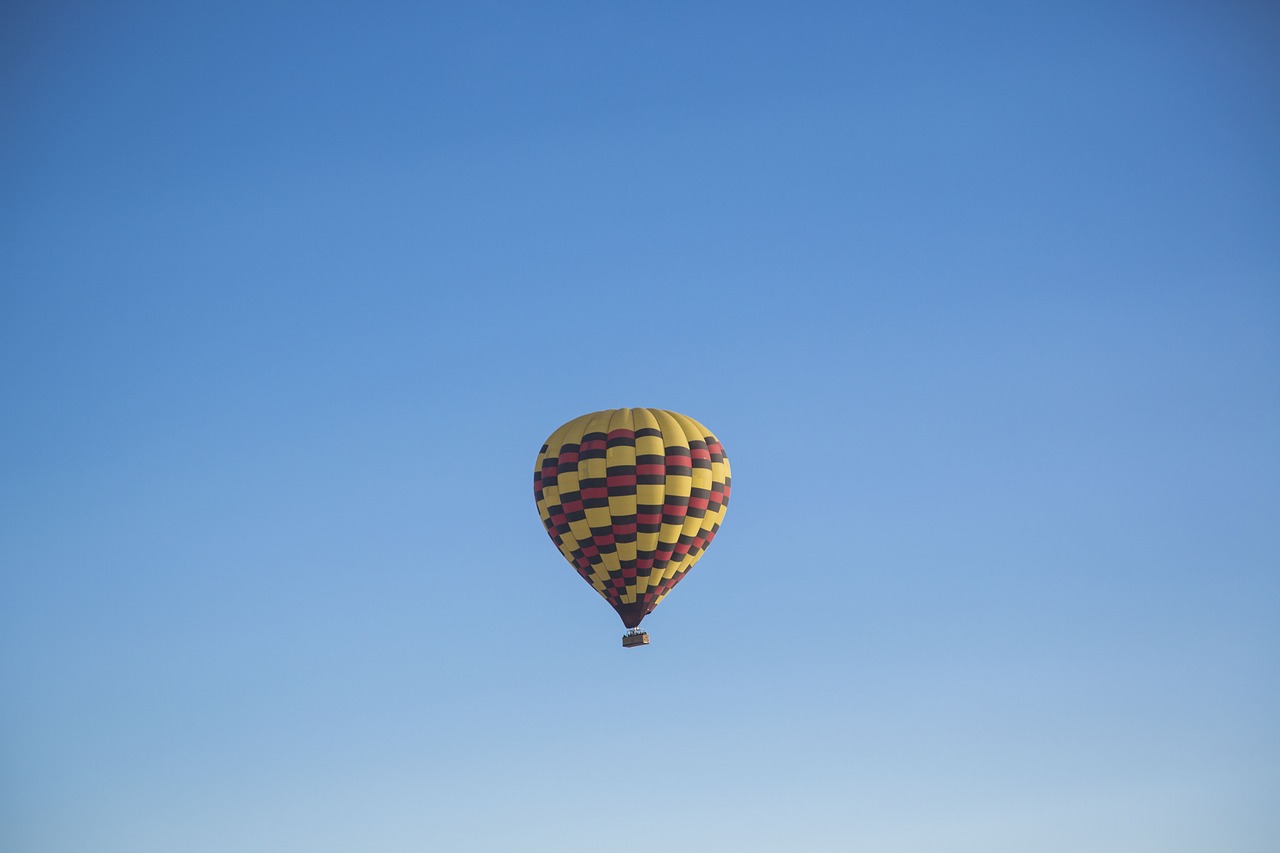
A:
(632, 498)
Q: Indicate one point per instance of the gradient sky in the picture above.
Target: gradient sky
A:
(984, 302)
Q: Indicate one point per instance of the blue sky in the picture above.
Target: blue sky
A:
(983, 302)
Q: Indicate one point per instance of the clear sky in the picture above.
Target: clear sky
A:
(983, 301)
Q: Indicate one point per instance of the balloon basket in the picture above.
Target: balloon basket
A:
(635, 637)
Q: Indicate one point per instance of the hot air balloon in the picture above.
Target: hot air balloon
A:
(632, 498)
